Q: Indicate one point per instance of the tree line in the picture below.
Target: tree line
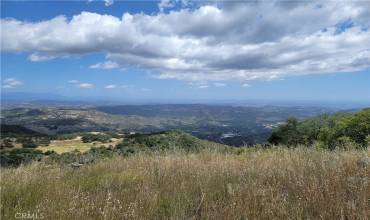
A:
(341, 130)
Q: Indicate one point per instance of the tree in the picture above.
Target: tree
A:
(287, 134)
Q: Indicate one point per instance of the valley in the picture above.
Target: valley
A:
(231, 125)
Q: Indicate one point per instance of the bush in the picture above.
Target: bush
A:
(367, 139)
(88, 138)
(65, 136)
(345, 143)
(17, 157)
(90, 156)
(29, 144)
(330, 131)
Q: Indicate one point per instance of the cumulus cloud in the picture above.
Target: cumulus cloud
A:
(108, 2)
(85, 86)
(245, 85)
(163, 4)
(105, 65)
(112, 86)
(11, 83)
(169, 4)
(234, 41)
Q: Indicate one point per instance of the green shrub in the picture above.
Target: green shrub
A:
(367, 139)
(88, 138)
(345, 143)
(17, 157)
(331, 131)
(29, 144)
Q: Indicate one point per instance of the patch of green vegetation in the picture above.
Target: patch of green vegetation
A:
(16, 157)
(131, 144)
(90, 156)
(33, 142)
(17, 130)
(328, 131)
(161, 141)
(88, 138)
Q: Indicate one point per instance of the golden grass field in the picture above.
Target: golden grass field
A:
(63, 146)
(278, 183)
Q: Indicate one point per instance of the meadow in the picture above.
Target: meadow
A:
(277, 183)
(69, 145)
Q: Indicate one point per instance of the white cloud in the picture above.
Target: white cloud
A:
(108, 2)
(11, 83)
(105, 65)
(163, 4)
(112, 86)
(38, 58)
(236, 41)
(85, 86)
(245, 85)
(73, 81)
(168, 4)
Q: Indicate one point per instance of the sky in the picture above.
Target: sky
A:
(188, 50)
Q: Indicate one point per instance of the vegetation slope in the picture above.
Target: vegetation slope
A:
(278, 183)
(312, 169)
(326, 131)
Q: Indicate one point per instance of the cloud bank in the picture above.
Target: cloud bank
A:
(229, 41)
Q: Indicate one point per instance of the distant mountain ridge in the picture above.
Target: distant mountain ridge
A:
(231, 125)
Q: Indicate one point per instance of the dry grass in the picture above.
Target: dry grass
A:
(257, 184)
(63, 146)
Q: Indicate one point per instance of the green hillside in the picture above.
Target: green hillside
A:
(17, 130)
(168, 141)
(164, 141)
(326, 131)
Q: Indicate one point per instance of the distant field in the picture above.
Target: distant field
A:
(247, 184)
(63, 146)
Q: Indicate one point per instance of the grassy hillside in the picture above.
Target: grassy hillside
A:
(279, 183)
(88, 147)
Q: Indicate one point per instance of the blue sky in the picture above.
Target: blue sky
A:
(166, 66)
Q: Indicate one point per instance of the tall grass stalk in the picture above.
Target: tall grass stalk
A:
(276, 183)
